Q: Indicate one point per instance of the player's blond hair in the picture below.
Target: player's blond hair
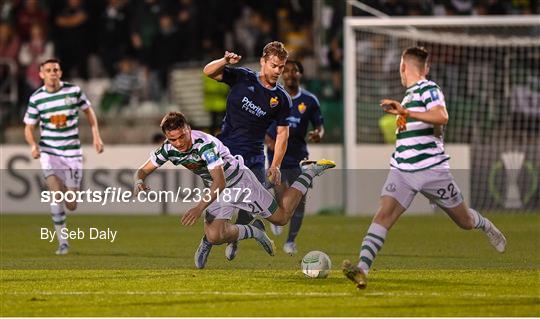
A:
(275, 48)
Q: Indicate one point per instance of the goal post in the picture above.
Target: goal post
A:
(488, 68)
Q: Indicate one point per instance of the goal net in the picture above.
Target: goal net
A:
(489, 71)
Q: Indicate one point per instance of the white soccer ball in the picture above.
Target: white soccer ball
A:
(316, 264)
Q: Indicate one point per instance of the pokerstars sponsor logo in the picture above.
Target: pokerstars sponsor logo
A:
(302, 107)
(249, 106)
(274, 101)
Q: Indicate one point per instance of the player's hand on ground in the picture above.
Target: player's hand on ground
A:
(393, 107)
(314, 136)
(274, 175)
(36, 153)
(191, 216)
(98, 145)
(231, 57)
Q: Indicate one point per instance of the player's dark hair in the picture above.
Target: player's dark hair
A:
(419, 54)
(173, 121)
(52, 60)
(298, 65)
(275, 48)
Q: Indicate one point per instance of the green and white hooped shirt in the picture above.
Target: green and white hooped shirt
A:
(420, 146)
(206, 153)
(58, 115)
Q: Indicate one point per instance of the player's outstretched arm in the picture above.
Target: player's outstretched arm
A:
(29, 130)
(92, 120)
(214, 69)
(140, 175)
(218, 185)
(436, 115)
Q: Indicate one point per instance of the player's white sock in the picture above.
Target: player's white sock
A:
(303, 182)
(59, 219)
(480, 222)
(248, 231)
(371, 245)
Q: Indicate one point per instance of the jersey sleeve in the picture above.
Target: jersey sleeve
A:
(285, 111)
(231, 75)
(83, 100)
(433, 97)
(159, 156)
(32, 114)
(210, 155)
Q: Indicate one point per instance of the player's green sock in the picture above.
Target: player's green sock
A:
(371, 245)
(480, 222)
(248, 231)
(59, 219)
(303, 182)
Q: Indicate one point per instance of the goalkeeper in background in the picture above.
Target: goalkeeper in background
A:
(419, 164)
(305, 109)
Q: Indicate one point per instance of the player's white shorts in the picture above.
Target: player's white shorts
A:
(255, 199)
(68, 169)
(437, 184)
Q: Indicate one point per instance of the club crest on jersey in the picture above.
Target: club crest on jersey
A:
(274, 101)
(302, 107)
(70, 100)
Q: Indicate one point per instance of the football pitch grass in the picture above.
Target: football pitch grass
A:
(427, 267)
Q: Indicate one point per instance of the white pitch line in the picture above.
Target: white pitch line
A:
(438, 294)
(269, 293)
(224, 293)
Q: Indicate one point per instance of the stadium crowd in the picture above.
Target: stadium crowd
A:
(135, 43)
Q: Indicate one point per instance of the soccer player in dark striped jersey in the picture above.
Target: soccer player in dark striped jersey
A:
(305, 110)
(55, 106)
(254, 102)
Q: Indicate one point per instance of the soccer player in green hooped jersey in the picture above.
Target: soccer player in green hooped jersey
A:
(56, 107)
(230, 185)
(419, 164)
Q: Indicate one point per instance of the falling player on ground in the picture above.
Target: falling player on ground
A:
(224, 175)
(419, 164)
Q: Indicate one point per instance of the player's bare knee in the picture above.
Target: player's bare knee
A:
(280, 222)
(278, 219)
(213, 237)
(71, 206)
